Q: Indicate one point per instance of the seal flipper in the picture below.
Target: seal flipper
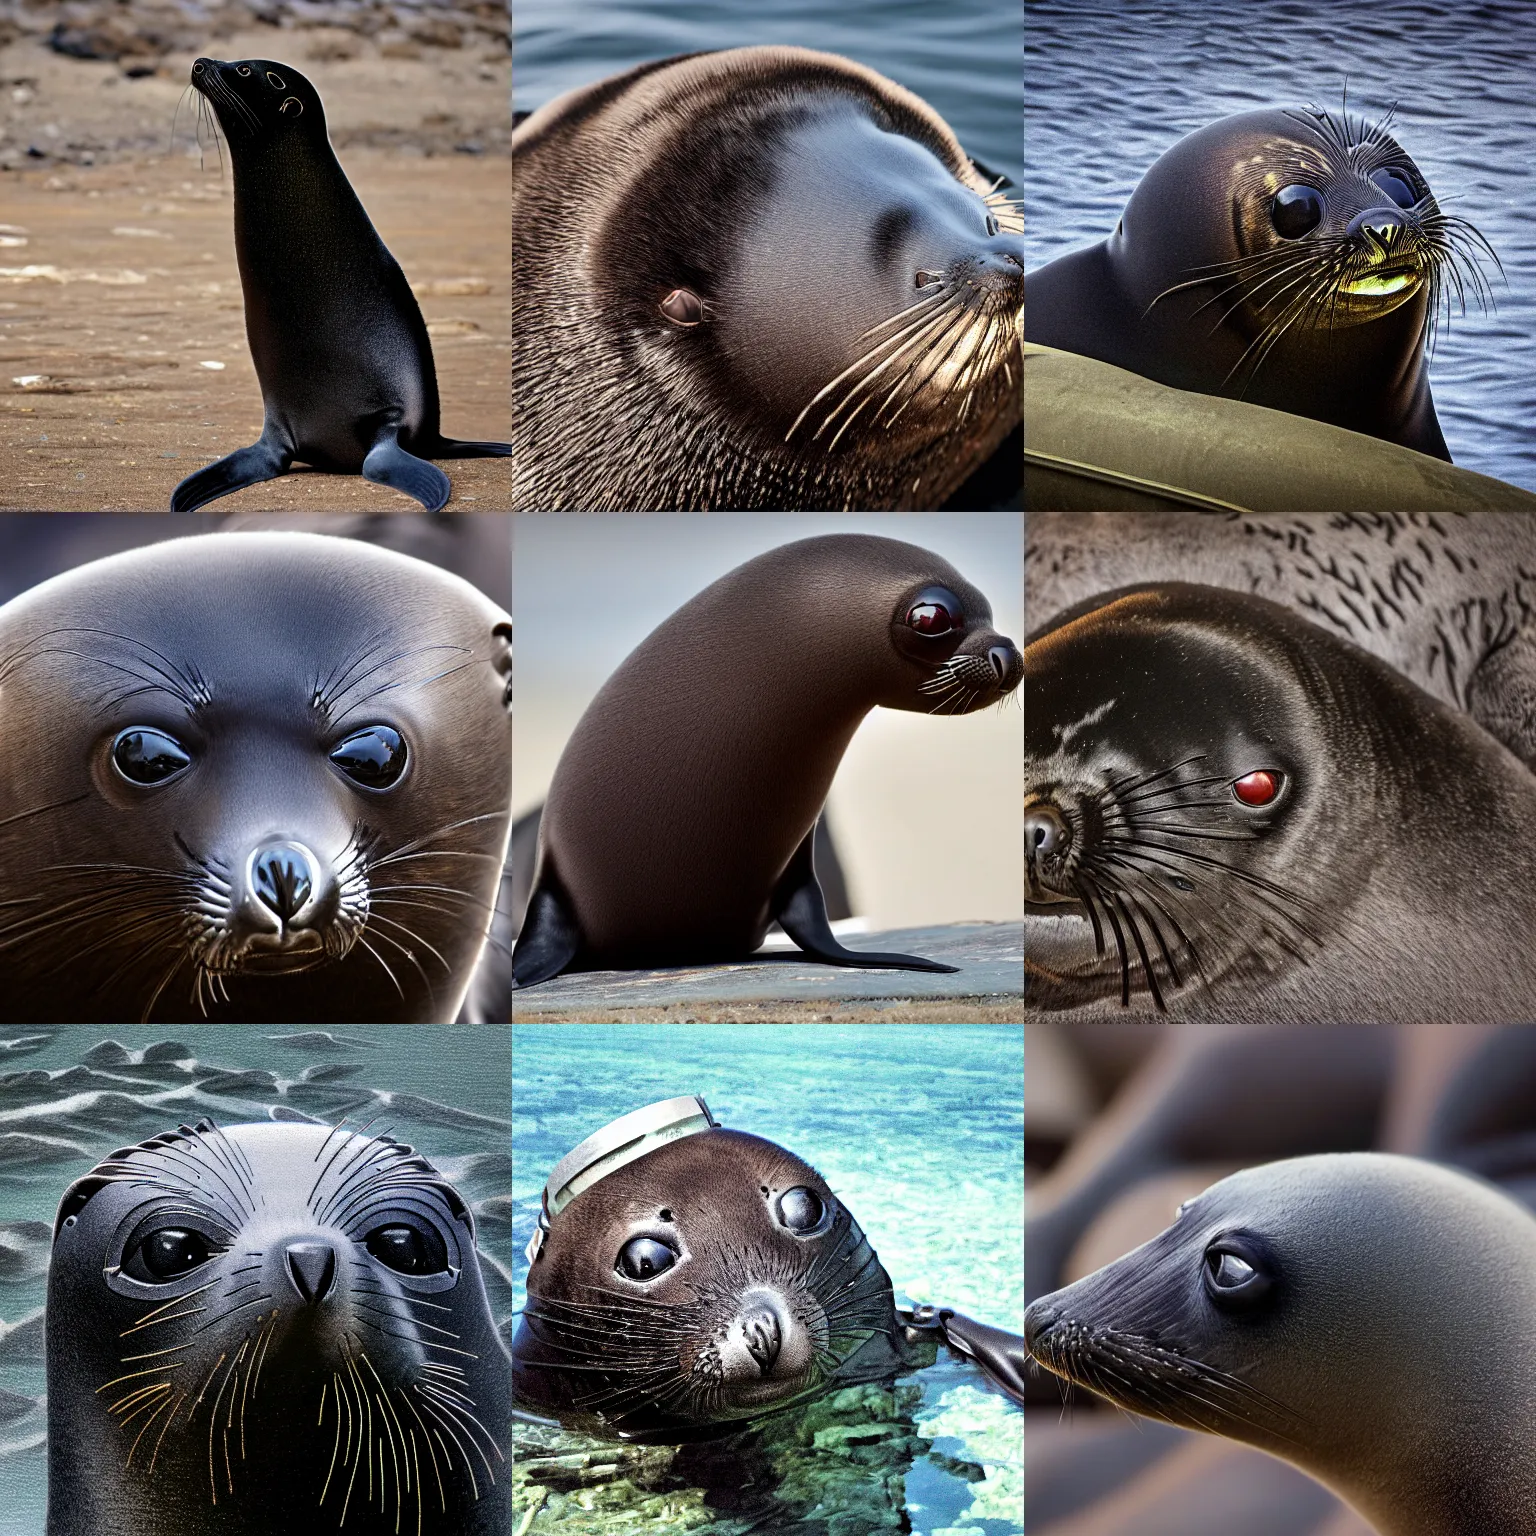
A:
(549, 938)
(465, 448)
(263, 460)
(801, 911)
(389, 464)
(1001, 1355)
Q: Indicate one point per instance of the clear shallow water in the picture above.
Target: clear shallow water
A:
(961, 56)
(67, 1100)
(1111, 84)
(920, 1131)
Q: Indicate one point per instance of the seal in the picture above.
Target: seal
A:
(1232, 815)
(340, 348)
(1445, 599)
(1367, 1317)
(1293, 258)
(679, 823)
(255, 777)
(686, 1279)
(272, 1327)
(787, 284)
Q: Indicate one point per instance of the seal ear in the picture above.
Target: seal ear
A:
(501, 660)
(77, 1197)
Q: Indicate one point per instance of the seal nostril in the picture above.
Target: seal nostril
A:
(760, 1329)
(281, 876)
(1045, 831)
(312, 1268)
(1002, 659)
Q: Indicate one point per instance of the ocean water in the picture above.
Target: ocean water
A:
(919, 1129)
(963, 56)
(1111, 84)
(69, 1097)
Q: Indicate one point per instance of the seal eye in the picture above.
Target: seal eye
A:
(242, 70)
(936, 611)
(373, 757)
(165, 1254)
(146, 756)
(1396, 185)
(292, 107)
(643, 1258)
(1296, 211)
(276, 81)
(1236, 1276)
(408, 1250)
(802, 1210)
(683, 307)
(1261, 787)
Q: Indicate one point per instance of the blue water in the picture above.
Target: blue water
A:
(446, 1092)
(919, 1129)
(962, 56)
(1111, 84)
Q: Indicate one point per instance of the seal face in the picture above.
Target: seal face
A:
(347, 378)
(268, 778)
(702, 1285)
(1227, 809)
(1293, 258)
(271, 1327)
(679, 821)
(788, 285)
(1370, 1318)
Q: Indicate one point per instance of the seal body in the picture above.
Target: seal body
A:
(266, 777)
(342, 353)
(786, 284)
(1292, 258)
(1445, 599)
(271, 1327)
(679, 821)
(1234, 816)
(1370, 1318)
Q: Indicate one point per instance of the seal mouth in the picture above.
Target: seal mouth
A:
(1384, 283)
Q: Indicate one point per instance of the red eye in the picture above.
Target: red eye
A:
(1257, 788)
(936, 611)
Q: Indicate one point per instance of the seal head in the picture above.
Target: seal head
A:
(271, 1327)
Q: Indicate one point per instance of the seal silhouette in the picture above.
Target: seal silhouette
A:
(265, 777)
(1292, 258)
(787, 284)
(1368, 1317)
(340, 348)
(680, 819)
(1232, 815)
(687, 1279)
(272, 1327)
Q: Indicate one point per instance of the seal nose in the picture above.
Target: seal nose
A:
(312, 1268)
(760, 1333)
(1383, 226)
(283, 877)
(1005, 659)
(1038, 1320)
(1046, 832)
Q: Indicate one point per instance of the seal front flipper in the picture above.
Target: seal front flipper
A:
(389, 464)
(801, 911)
(263, 460)
(550, 937)
(1000, 1354)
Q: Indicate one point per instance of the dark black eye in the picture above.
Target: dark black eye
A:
(683, 307)
(374, 757)
(991, 225)
(936, 611)
(800, 1209)
(1397, 186)
(145, 756)
(409, 1250)
(165, 1254)
(643, 1258)
(1237, 1275)
(1296, 211)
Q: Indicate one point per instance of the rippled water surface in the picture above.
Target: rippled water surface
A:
(919, 1130)
(70, 1097)
(1111, 84)
(962, 56)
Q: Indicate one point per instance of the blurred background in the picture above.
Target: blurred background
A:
(962, 57)
(928, 795)
(1110, 84)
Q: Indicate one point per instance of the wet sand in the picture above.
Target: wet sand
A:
(118, 283)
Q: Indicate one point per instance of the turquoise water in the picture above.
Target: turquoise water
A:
(919, 1129)
(67, 1099)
